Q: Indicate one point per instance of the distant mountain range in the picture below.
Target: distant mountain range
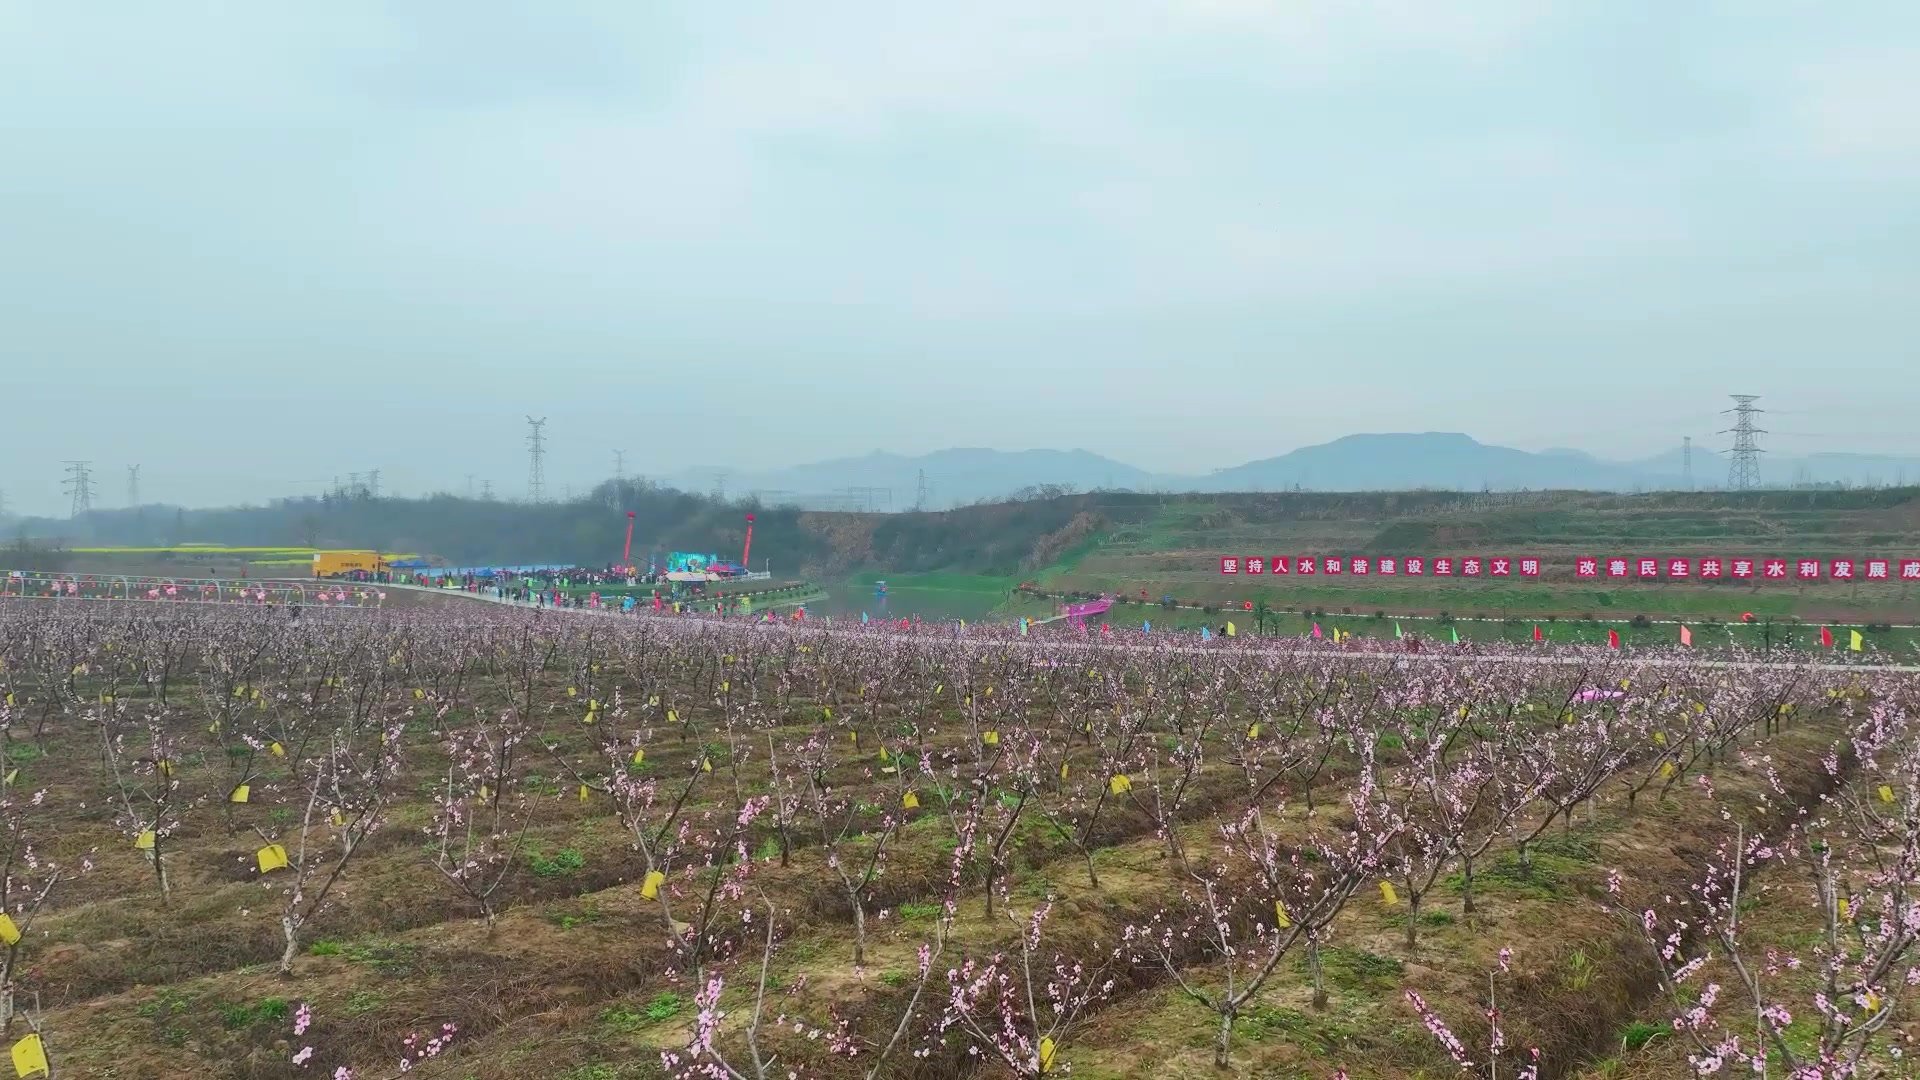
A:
(1384, 462)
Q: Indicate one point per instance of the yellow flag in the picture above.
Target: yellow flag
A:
(29, 1057)
(277, 750)
(1119, 785)
(910, 801)
(271, 857)
(240, 794)
(991, 738)
(585, 793)
(639, 754)
(1387, 894)
(1857, 642)
(1886, 793)
(1280, 915)
(9, 933)
(144, 841)
(650, 886)
(1253, 731)
(1046, 1054)
(706, 764)
(1232, 629)
(1063, 770)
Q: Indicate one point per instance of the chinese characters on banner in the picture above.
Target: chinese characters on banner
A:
(1636, 568)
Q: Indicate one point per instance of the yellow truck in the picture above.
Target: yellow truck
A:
(334, 563)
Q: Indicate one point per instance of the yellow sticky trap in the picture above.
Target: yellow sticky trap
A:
(937, 687)
(969, 699)
(1846, 909)
(485, 793)
(256, 694)
(826, 712)
(1886, 794)
(1659, 738)
(593, 704)
(910, 801)
(853, 737)
(1087, 727)
(9, 699)
(1046, 1054)
(1666, 770)
(1873, 1002)
(639, 754)
(653, 702)
(650, 886)
(9, 933)
(1280, 915)
(884, 756)
(1463, 712)
(419, 694)
(13, 774)
(271, 857)
(1253, 731)
(1063, 770)
(595, 669)
(1699, 708)
(672, 717)
(725, 684)
(1624, 683)
(30, 1058)
(585, 793)
(240, 793)
(587, 719)
(339, 819)
(991, 738)
(706, 764)
(106, 699)
(277, 750)
(989, 691)
(1387, 894)
(144, 842)
(1119, 785)
(164, 767)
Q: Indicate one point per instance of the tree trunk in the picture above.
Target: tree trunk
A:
(291, 930)
(859, 931)
(1313, 965)
(1223, 1041)
(1413, 921)
(1466, 886)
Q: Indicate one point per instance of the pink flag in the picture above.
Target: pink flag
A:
(1316, 631)
(1686, 636)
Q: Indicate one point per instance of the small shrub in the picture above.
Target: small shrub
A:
(1640, 1033)
(665, 1006)
(326, 948)
(565, 863)
(1640, 622)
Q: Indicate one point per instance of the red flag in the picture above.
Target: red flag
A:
(1686, 636)
(1826, 637)
(1537, 635)
(1613, 639)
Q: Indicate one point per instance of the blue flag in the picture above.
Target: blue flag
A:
(1146, 627)
(1206, 634)
(1023, 626)
(863, 618)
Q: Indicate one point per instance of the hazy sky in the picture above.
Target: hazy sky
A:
(254, 247)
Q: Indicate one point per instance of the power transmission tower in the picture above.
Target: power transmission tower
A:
(1686, 461)
(3, 504)
(619, 464)
(720, 485)
(133, 485)
(486, 490)
(536, 460)
(920, 490)
(79, 484)
(1743, 474)
(354, 487)
(373, 483)
(469, 485)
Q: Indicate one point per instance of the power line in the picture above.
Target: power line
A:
(79, 484)
(1743, 474)
(536, 460)
(133, 485)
